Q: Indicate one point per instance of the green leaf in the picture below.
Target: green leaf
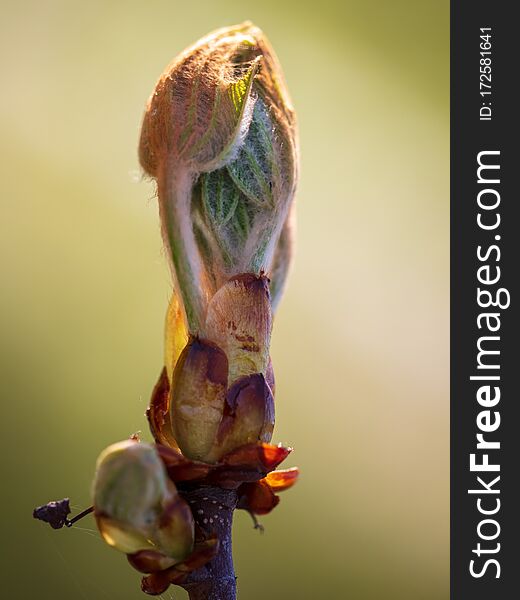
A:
(253, 169)
(227, 121)
(226, 212)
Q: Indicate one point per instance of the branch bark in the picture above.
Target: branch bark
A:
(212, 509)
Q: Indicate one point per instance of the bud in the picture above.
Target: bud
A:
(136, 505)
(219, 135)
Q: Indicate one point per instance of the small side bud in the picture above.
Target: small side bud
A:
(197, 397)
(128, 491)
(136, 506)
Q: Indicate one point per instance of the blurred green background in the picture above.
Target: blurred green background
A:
(360, 342)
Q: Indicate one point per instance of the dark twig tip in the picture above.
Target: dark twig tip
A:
(54, 513)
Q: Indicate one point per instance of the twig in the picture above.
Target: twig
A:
(213, 511)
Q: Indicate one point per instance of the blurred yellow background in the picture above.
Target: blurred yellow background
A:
(360, 342)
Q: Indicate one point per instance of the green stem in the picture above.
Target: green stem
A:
(174, 190)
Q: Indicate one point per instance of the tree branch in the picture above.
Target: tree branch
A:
(212, 509)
